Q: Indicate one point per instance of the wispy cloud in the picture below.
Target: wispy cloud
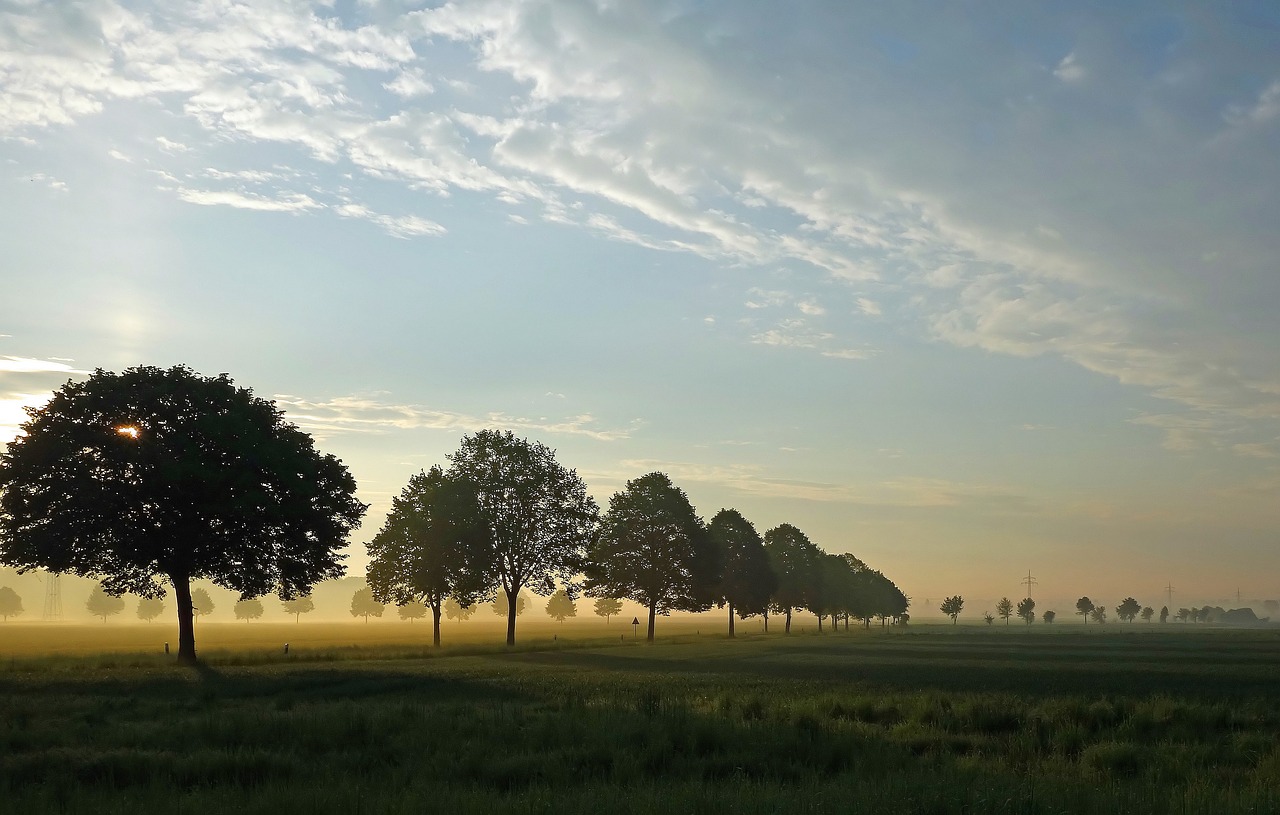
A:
(361, 414)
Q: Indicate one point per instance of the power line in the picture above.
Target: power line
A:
(1029, 581)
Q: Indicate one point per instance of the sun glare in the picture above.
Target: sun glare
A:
(128, 430)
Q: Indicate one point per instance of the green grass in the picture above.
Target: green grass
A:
(924, 721)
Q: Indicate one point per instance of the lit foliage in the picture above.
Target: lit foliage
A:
(10, 603)
(364, 604)
(560, 606)
(201, 603)
(101, 604)
(653, 549)
(608, 607)
(149, 608)
(536, 514)
(412, 610)
(430, 546)
(153, 476)
(249, 609)
(456, 611)
(299, 606)
(501, 606)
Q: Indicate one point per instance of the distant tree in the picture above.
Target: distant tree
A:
(1099, 614)
(250, 609)
(654, 550)
(431, 546)
(164, 477)
(988, 617)
(1272, 606)
(456, 611)
(10, 603)
(1027, 610)
(1084, 607)
(536, 515)
(412, 610)
(299, 606)
(1184, 614)
(608, 607)
(561, 606)
(101, 604)
(150, 607)
(832, 591)
(747, 581)
(794, 560)
(201, 603)
(1004, 608)
(1147, 613)
(1164, 614)
(502, 607)
(1128, 609)
(364, 604)
(1050, 616)
(952, 606)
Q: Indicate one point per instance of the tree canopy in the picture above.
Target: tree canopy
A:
(536, 514)
(1084, 607)
(10, 603)
(201, 603)
(149, 608)
(794, 560)
(364, 604)
(561, 606)
(654, 549)
(1128, 609)
(428, 548)
(456, 611)
(101, 604)
(412, 610)
(155, 476)
(608, 607)
(1027, 610)
(249, 609)
(299, 606)
(1004, 609)
(747, 581)
(952, 606)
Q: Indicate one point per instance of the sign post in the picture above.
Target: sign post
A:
(635, 623)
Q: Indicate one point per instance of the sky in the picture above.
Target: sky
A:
(964, 290)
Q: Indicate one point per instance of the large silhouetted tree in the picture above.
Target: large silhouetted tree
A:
(299, 606)
(952, 606)
(249, 609)
(101, 604)
(156, 476)
(429, 547)
(10, 603)
(794, 559)
(537, 517)
(1084, 607)
(561, 606)
(1027, 610)
(652, 548)
(608, 607)
(747, 581)
(149, 608)
(364, 604)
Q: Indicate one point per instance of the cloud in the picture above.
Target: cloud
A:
(26, 365)
(284, 202)
(1069, 69)
(868, 306)
(1264, 109)
(361, 414)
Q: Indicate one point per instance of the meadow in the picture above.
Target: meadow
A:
(928, 719)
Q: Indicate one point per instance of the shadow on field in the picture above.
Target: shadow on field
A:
(1034, 665)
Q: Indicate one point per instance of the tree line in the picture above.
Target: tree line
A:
(505, 516)
(154, 478)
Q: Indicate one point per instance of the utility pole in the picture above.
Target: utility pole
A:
(1168, 590)
(1029, 581)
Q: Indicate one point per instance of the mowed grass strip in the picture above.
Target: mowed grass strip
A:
(865, 721)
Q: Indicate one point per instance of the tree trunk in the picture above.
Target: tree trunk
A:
(766, 621)
(186, 620)
(788, 619)
(435, 627)
(820, 623)
(846, 622)
(512, 594)
(730, 620)
(653, 613)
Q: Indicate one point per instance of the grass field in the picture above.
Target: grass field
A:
(924, 720)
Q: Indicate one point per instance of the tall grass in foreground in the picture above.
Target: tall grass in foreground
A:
(804, 724)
